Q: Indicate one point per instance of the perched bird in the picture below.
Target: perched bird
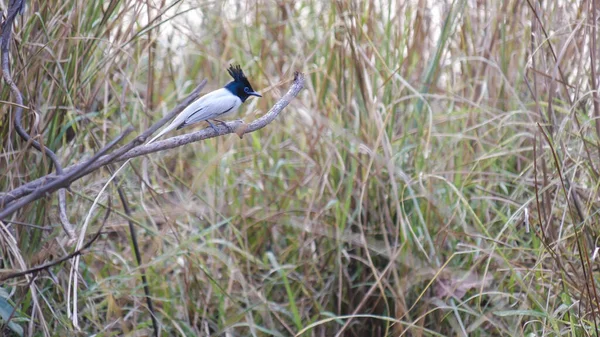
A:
(215, 104)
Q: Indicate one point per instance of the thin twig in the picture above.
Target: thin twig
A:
(16, 7)
(50, 264)
(138, 258)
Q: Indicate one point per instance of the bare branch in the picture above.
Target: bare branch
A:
(42, 191)
(57, 182)
(50, 264)
(52, 182)
(16, 7)
(221, 129)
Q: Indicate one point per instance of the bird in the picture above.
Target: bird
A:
(216, 104)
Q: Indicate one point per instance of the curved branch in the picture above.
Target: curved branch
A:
(52, 182)
(16, 7)
(40, 192)
(49, 182)
(236, 126)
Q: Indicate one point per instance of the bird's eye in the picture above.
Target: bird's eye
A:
(246, 90)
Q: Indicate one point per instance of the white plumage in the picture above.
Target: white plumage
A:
(216, 104)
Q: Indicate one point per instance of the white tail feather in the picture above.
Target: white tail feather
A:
(163, 131)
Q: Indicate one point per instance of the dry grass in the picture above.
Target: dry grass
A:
(437, 177)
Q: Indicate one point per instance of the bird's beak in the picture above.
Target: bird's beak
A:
(254, 93)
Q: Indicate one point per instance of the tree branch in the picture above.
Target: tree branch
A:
(236, 126)
(50, 183)
(41, 192)
(16, 7)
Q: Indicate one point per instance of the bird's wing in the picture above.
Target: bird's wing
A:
(211, 108)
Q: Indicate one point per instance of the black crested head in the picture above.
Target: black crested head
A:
(240, 86)
(237, 73)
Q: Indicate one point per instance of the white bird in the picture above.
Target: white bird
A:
(216, 104)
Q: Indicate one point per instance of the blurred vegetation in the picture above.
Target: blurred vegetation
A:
(437, 177)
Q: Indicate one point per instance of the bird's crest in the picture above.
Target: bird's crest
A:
(240, 86)
(236, 72)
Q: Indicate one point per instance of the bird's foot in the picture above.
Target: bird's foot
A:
(212, 126)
